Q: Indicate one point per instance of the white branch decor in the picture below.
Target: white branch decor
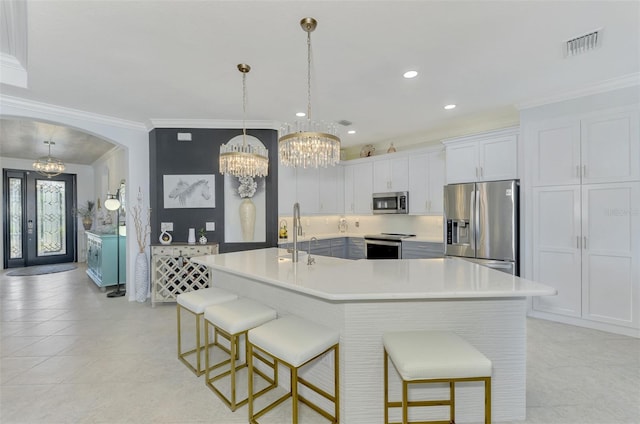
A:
(142, 232)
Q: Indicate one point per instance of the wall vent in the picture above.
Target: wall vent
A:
(344, 122)
(583, 43)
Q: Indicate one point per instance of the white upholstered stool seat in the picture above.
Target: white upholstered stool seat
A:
(294, 342)
(195, 302)
(231, 320)
(434, 357)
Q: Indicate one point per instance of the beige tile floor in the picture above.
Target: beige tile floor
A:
(71, 355)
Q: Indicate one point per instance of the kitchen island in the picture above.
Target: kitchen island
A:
(363, 299)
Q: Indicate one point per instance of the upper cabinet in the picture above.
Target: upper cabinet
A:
(358, 188)
(426, 181)
(391, 174)
(599, 149)
(318, 190)
(482, 157)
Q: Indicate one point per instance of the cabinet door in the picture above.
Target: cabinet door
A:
(610, 256)
(462, 163)
(556, 248)
(419, 195)
(556, 153)
(286, 189)
(349, 178)
(498, 159)
(381, 176)
(399, 174)
(307, 190)
(436, 174)
(358, 188)
(331, 190)
(611, 148)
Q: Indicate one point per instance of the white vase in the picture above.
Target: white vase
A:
(247, 218)
(192, 236)
(141, 277)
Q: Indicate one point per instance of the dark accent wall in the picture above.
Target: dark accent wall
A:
(168, 156)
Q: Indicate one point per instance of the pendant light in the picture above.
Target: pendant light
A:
(309, 143)
(244, 155)
(49, 166)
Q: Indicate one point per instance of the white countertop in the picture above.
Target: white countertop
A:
(326, 236)
(345, 280)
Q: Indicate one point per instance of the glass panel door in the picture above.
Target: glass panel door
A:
(16, 188)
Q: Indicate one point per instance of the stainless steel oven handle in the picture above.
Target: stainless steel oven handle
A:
(383, 242)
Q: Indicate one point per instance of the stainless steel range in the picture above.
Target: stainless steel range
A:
(385, 245)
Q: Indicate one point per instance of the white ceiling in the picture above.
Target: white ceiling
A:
(151, 59)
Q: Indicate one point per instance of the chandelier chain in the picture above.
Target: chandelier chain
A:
(244, 109)
(309, 76)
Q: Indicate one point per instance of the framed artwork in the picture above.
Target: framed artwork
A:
(189, 191)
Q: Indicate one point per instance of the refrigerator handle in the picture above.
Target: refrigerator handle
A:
(474, 216)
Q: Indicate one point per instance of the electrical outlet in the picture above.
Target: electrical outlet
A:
(166, 226)
(210, 226)
(357, 224)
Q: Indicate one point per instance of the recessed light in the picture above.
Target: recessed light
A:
(351, 132)
(301, 114)
(448, 107)
(410, 74)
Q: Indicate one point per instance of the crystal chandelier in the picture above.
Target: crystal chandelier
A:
(309, 143)
(49, 166)
(243, 155)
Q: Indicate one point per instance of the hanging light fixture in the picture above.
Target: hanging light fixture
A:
(309, 143)
(244, 155)
(49, 166)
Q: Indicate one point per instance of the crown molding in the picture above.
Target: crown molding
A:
(624, 81)
(502, 132)
(61, 111)
(210, 123)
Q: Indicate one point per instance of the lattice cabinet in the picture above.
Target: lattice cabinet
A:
(173, 272)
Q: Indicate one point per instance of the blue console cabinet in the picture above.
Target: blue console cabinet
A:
(102, 259)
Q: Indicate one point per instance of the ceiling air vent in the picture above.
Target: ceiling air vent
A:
(344, 122)
(583, 44)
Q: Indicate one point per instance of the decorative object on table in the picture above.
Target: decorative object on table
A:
(49, 166)
(247, 209)
(165, 238)
(142, 265)
(243, 155)
(282, 233)
(391, 149)
(86, 212)
(192, 236)
(189, 191)
(113, 204)
(203, 236)
(309, 144)
(367, 150)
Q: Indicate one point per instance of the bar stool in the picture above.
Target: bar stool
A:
(232, 320)
(295, 342)
(433, 357)
(194, 302)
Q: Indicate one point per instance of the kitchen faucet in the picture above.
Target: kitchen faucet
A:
(310, 260)
(297, 231)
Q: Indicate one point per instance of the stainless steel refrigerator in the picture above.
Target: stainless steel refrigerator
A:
(481, 223)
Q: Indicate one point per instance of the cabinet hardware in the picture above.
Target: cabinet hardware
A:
(578, 171)
(584, 170)
(481, 172)
(585, 242)
(577, 242)
(476, 171)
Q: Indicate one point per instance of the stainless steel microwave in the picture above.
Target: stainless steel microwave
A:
(388, 203)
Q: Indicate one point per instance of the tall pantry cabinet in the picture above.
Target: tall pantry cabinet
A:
(585, 182)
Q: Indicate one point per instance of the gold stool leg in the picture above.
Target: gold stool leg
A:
(336, 370)
(294, 394)
(487, 400)
(405, 402)
(179, 330)
(452, 396)
(386, 387)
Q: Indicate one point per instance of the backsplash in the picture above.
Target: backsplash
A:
(424, 227)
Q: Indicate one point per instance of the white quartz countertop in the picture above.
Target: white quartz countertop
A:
(346, 280)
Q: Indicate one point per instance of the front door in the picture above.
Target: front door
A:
(39, 221)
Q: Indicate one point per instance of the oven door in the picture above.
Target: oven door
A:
(382, 249)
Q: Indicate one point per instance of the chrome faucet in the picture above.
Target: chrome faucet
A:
(310, 260)
(297, 231)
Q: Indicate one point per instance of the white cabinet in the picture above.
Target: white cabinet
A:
(331, 190)
(318, 190)
(598, 149)
(358, 188)
(426, 181)
(390, 175)
(308, 190)
(483, 157)
(286, 189)
(587, 245)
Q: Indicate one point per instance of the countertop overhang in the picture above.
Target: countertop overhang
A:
(346, 280)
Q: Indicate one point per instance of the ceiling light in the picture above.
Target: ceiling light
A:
(351, 131)
(448, 107)
(301, 114)
(410, 74)
(243, 155)
(49, 166)
(309, 143)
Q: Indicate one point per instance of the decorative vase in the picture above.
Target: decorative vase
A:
(141, 277)
(192, 236)
(202, 240)
(165, 238)
(247, 218)
(87, 222)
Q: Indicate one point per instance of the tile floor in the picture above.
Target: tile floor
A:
(71, 355)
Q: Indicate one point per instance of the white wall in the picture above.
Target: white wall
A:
(133, 137)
